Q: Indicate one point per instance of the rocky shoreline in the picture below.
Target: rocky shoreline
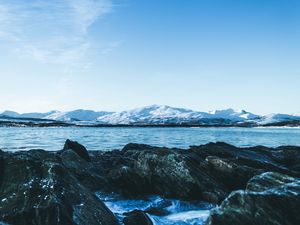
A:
(256, 185)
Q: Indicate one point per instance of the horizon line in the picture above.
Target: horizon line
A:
(140, 107)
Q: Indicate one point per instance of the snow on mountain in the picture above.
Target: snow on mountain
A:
(154, 114)
(37, 115)
(235, 115)
(276, 118)
(157, 114)
(76, 115)
(79, 115)
(296, 114)
(165, 114)
(10, 113)
(34, 115)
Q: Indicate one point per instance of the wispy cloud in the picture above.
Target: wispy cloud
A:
(53, 31)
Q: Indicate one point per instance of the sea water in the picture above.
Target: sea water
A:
(24, 138)
(172, 211)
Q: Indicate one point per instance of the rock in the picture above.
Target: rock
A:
(270, 198)
(78, 148)
(37, 189)
(83, 170)
(135, 146)
(208, 172)
(267, 181)
(137, 217)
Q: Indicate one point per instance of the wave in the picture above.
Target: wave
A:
(161, 211)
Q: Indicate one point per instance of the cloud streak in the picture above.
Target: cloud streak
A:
(55, 31)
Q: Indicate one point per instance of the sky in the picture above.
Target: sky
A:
(120, 54)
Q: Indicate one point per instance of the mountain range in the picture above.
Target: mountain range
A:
(156, 115)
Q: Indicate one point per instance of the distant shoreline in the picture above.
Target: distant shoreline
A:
(288, 124)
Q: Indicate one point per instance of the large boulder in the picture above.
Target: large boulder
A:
(78, 149)
(37, 189)
(163, 171)
(270, 198)
(208, 172)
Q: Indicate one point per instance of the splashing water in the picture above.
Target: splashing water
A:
(161, 211)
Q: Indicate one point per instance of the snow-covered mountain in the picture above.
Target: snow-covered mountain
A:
(76, 115)
(277, 118)
(37, 115)
(162, 114)
(10, 113)
(157, 115)
(79, 115)
(154, 114)
(235, 115)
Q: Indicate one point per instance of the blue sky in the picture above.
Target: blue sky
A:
(121, 54)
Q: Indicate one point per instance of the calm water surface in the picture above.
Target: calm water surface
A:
(12, 138)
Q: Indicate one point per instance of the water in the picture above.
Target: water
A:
(161, 211)
(172, 211)
(16, 138)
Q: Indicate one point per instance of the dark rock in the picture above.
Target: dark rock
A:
(83, 170)
(209, 172)
(135, 146)
(270, 198)
(267, 181)
(37, 189)
(78, 148)
(1, 168)
(137, 217)
(157, 211)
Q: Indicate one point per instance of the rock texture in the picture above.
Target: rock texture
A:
(36, 188)
(40, 188)
(270, 198)
(209, 172)
(79, 149)
(137, 217)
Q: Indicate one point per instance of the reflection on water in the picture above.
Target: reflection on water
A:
(15, 138)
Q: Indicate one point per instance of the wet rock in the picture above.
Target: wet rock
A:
(78, 148)
(208, 172)
(270, 198)
(137, 217)
(41, 187)
(267, 181)
(37, 189)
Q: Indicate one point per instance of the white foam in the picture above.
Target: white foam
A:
(192, 217)
(177, 212)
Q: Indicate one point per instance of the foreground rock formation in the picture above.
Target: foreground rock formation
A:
(209, 172)
(270, 198)
(36, 188)
(39, 187)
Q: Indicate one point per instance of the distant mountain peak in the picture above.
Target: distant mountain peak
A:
(10, 113)
(296, 114)
(233, 114)
(228, 110)
(155, 115)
